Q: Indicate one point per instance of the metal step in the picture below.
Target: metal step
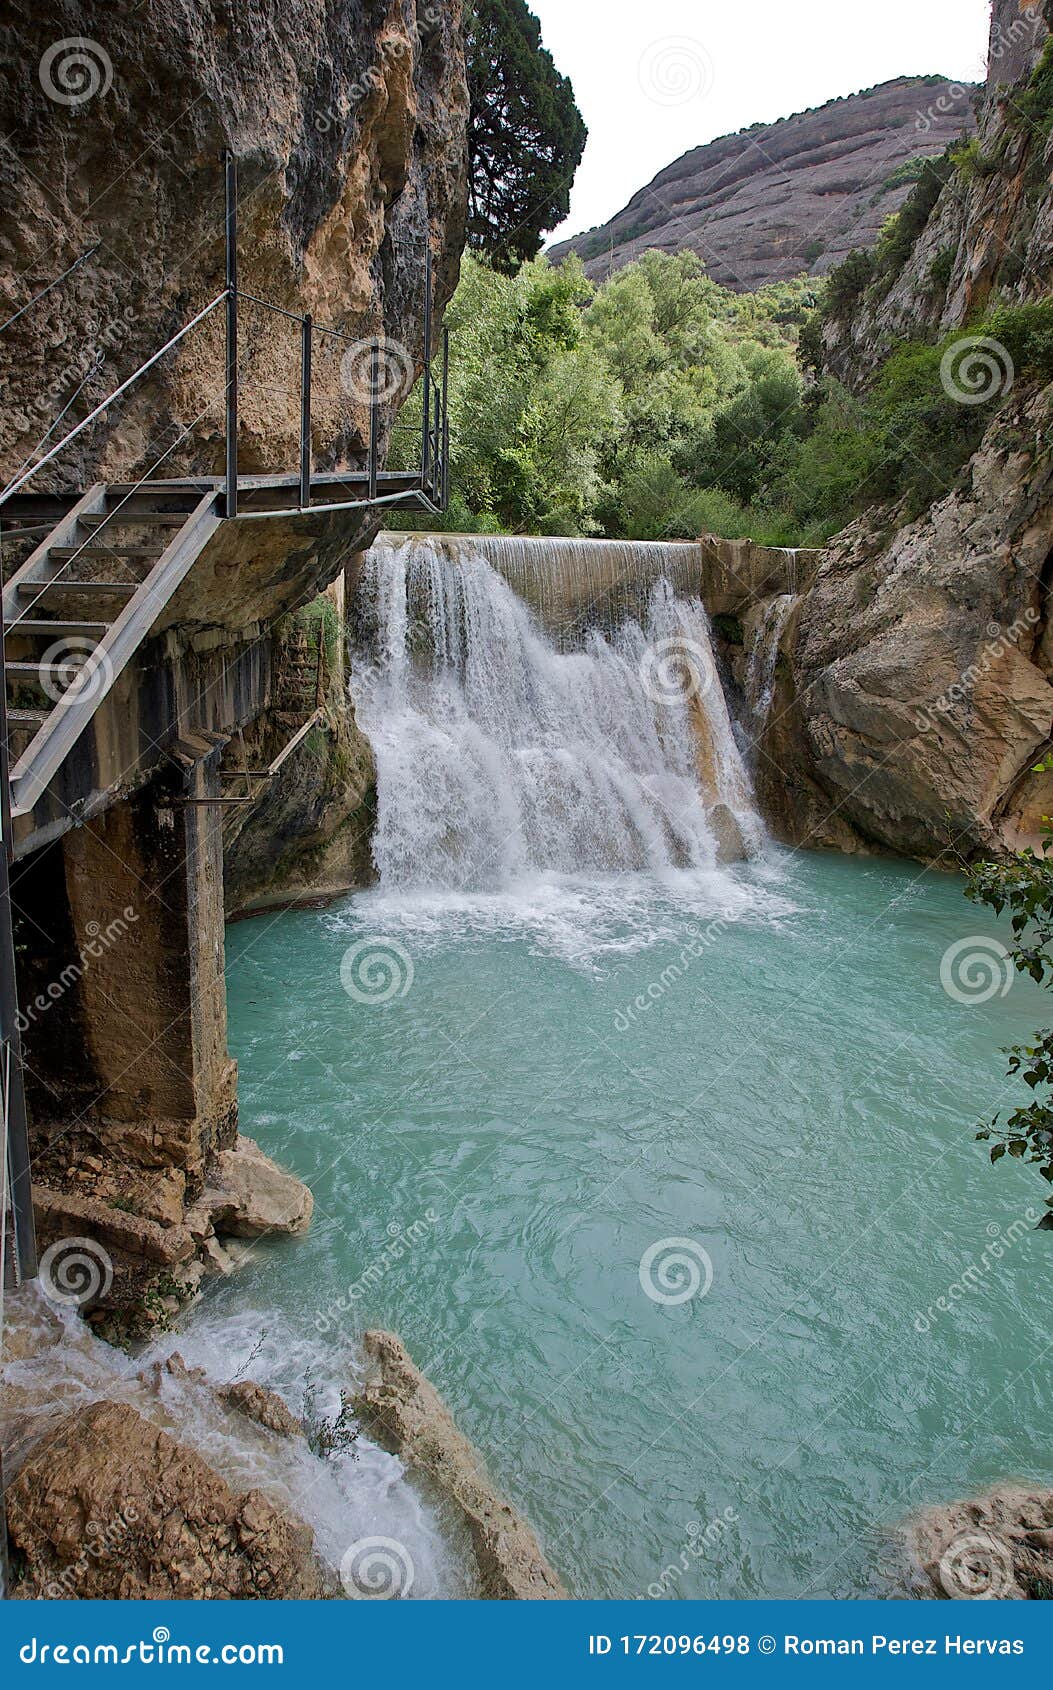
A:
(26, 718)
(36, 590)
(66, 554)
(31, 625)
(35, 671)
(122, 518)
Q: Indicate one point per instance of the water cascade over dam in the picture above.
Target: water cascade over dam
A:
(544, 707)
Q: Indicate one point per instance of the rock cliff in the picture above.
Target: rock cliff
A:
(786, 197)
(912, 684)
(348, 119)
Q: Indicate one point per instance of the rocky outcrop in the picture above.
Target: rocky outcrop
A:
(127, 1262)
(308, 832)
(349, 122)
(913, 688)
(406, 1415)
(113, 1507)
(786, 197)
(988, 238)
(997, 1547)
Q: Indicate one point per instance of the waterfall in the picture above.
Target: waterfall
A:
(763, 657)
(502, 757)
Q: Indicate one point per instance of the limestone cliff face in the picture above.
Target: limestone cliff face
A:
(782, 198)
(989, 237)
(913, 682)
(911, 692)
(349, 121)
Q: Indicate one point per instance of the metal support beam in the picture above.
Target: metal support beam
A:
(374, 417)
(230, 174)
(426, 439)
(306, 341)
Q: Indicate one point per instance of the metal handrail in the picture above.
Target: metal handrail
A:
(28, 306)
(434, 431)
(27, 475)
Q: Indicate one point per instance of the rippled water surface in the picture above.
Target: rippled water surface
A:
(577, 1071)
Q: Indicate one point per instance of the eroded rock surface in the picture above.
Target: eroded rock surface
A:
(406, 1415)
(995, 1547)
(782, 198)
(110, 1506)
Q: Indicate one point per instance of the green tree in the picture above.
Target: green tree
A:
(526, 135)
(1024, 887)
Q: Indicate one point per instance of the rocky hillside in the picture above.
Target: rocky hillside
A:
(913, 682)
(786, 197)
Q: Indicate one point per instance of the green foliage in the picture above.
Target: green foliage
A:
(846, 285)
(900, 234)
(1026, 332)
(970, 160)
(942, 268)
(1031, 108)
(1024, 887)
(525, 135)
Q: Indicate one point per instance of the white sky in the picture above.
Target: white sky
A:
(656, 77)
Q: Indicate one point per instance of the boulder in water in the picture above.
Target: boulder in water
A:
(406, 1415)
(731, 847)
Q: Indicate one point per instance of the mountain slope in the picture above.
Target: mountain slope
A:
(784, 197)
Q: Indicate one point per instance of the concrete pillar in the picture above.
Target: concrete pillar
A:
(123, 994)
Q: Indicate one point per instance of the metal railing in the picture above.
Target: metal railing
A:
(431, 486)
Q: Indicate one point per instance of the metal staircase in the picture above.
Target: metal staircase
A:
(109, 559)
